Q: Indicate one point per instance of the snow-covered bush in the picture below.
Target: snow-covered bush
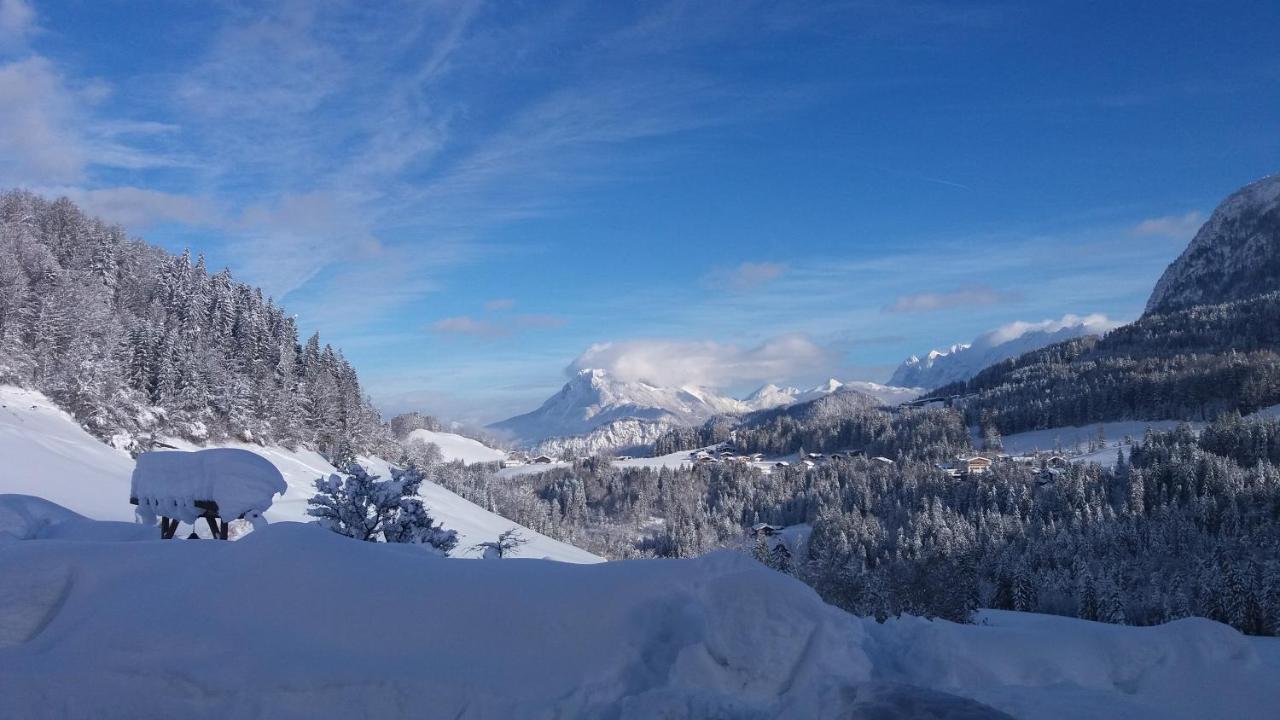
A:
(506, 543)
(362, 506)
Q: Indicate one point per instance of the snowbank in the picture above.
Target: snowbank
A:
(1044, 666)
(316, 625)
(306, 624)
(170, 483)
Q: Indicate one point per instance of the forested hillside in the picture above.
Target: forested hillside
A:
(1183, 525)
(1190, 364)
(135, 341)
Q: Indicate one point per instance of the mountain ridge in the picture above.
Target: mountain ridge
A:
(1235, 255)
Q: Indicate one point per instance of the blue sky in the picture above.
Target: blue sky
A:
(467, 197)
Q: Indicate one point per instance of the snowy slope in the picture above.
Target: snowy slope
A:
(456, 447)
(46, 454)
(91, 632)
(961, 362)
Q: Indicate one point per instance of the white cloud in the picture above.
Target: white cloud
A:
(978, 295)
(17, 21)
(499, 304)
(1178, 227)
(1095, 323)
(746, 276)
(40, 140)
(672, 363)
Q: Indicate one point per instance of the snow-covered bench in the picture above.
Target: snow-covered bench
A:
(219, 485)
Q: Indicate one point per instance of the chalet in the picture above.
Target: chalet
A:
(782, 463)
(766, 530)
(1050, 475)
(950, 470)
(882, 459)
(856, 453)
(975, 465)
(1056, 461)
(542, 460)
(808, 463)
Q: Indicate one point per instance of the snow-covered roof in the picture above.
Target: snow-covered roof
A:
(170, 483)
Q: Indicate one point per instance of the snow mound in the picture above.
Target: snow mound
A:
(23, 517)
(170, 483)
(318, 625)
(459, 448)
(1044, 666)
(716, 637)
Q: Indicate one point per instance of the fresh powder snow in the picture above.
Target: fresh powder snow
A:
(48, 455)
(303, 623)
(170, 483)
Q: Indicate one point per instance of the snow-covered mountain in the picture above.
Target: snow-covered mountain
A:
(1235, 255)
(594, 398)
(961, 362)
(596, 411)
(771, 396)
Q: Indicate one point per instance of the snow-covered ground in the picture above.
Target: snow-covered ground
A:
(1075, 441)
(296, 622)
(456, 447)
(48, 455)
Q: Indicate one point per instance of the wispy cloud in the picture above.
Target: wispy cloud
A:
(499, 304)
(1178, 227)
(977, 296)
(468, 326)
(139, 208)
(746, 276)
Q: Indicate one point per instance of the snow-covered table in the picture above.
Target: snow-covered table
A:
(218, 484)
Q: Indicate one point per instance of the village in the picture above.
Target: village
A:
(1050, 465)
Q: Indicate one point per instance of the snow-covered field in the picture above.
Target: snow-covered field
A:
(48, 455)
(296, 622)
(456, 447)
(1076, 440)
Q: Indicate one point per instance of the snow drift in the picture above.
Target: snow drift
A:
(296, 622)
